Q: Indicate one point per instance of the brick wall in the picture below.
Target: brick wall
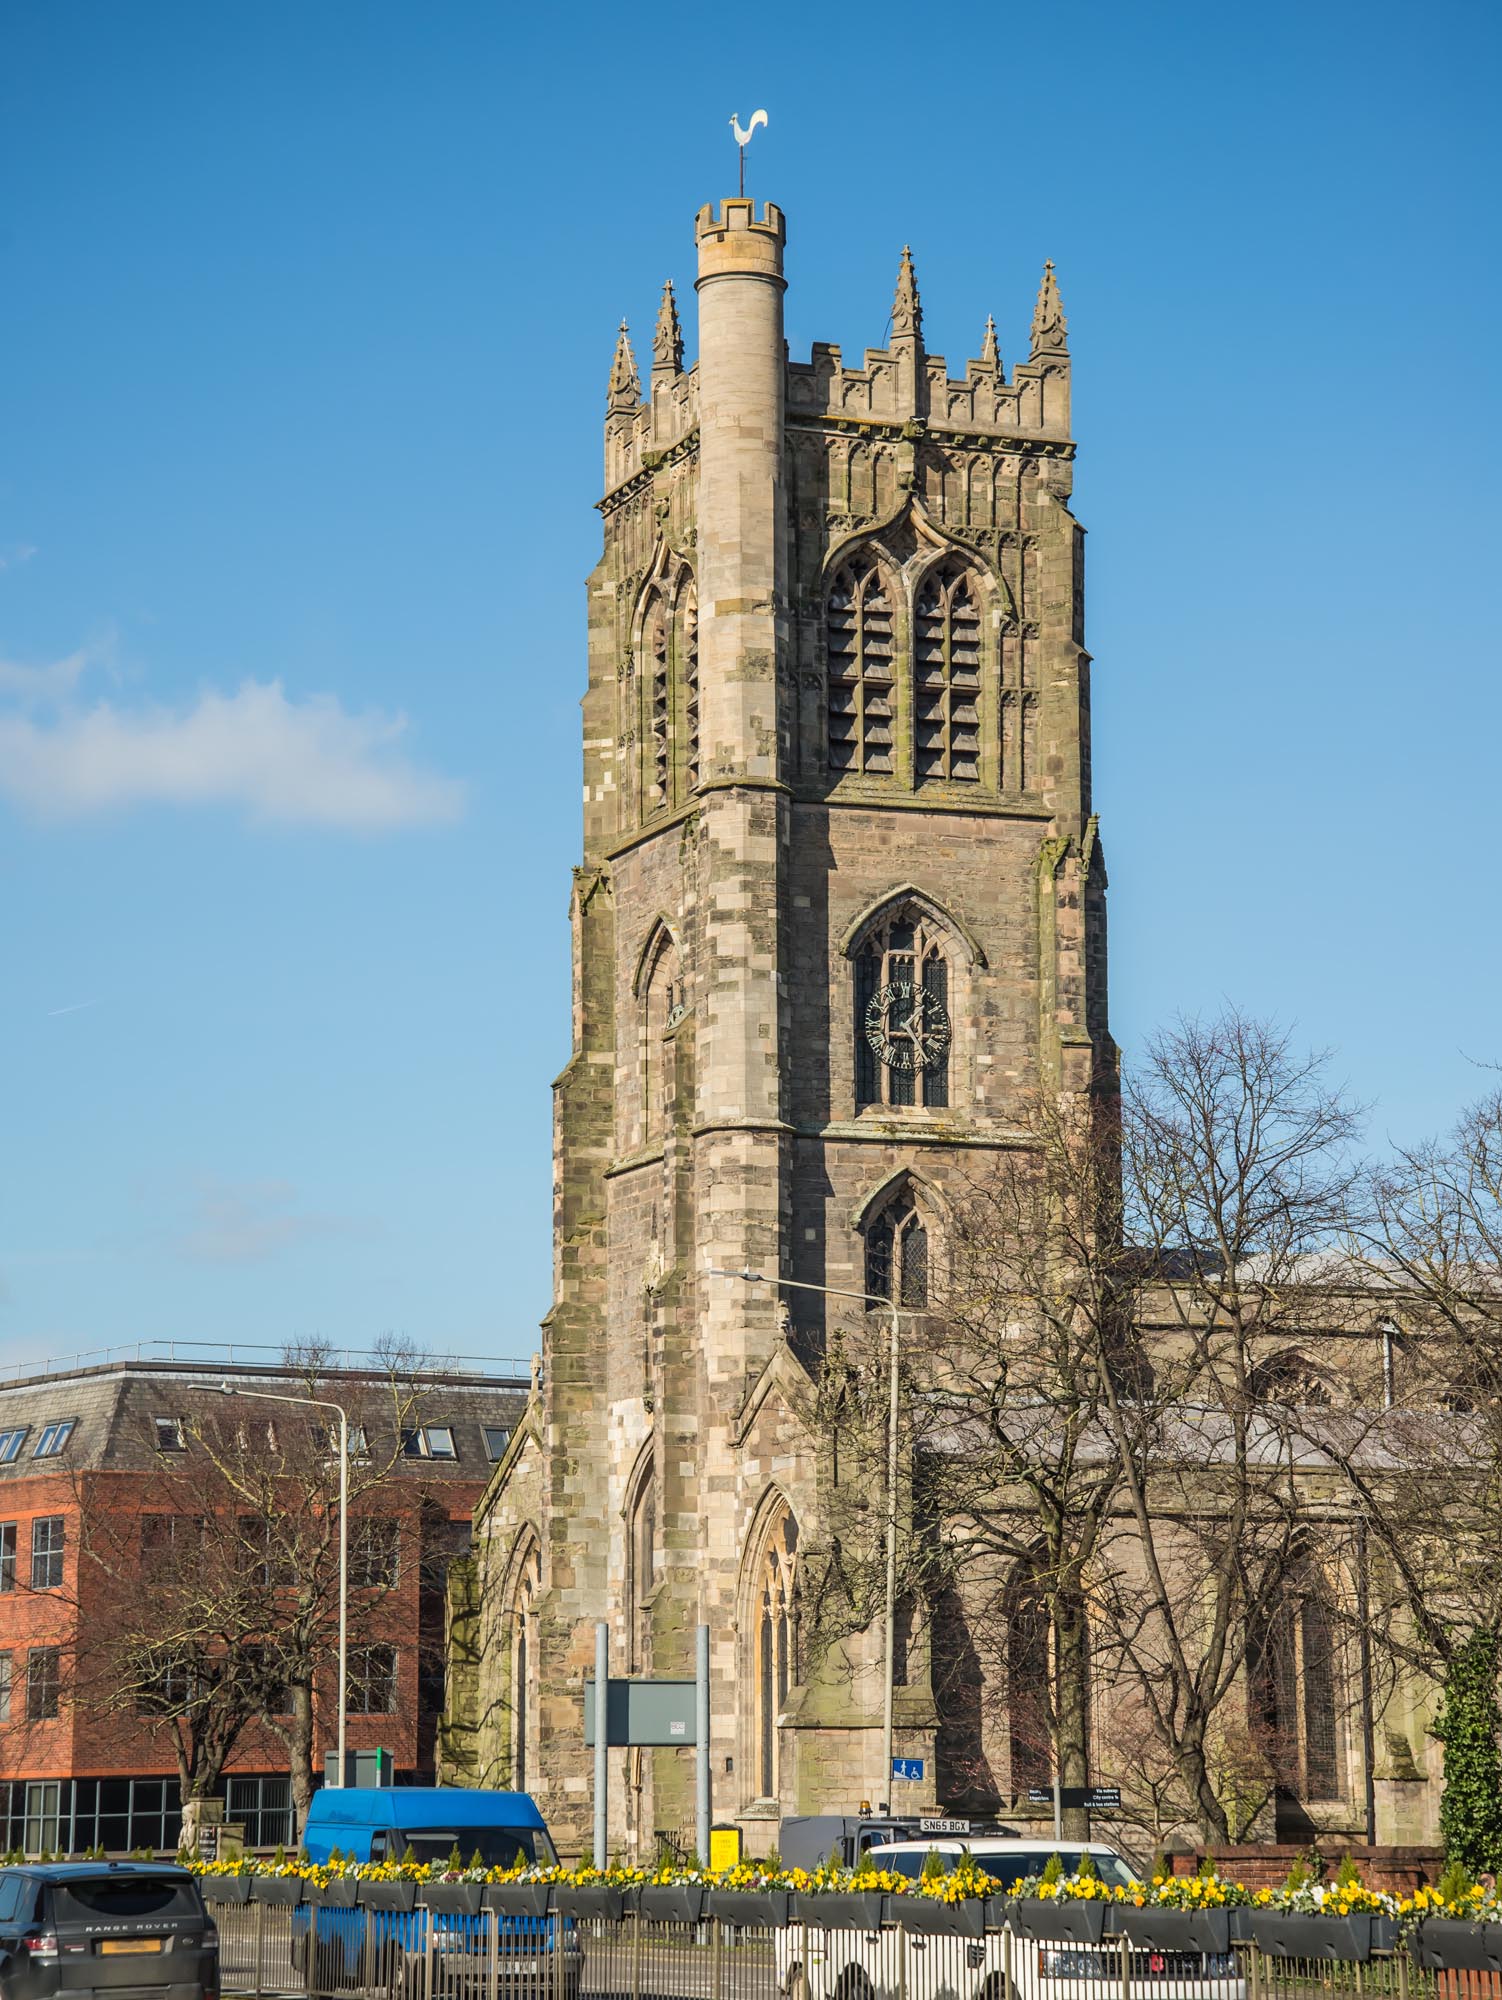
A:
(1399, 1869)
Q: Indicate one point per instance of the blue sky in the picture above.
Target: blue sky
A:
(309, 314)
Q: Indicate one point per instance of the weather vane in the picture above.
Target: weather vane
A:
(743, 137)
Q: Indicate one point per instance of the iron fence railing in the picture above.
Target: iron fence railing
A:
(346, 1952)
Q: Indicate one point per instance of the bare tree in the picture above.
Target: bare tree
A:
(1238, 1192)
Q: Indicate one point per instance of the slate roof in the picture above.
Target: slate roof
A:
(114, 1407)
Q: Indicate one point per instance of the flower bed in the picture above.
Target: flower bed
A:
(1303, 1918)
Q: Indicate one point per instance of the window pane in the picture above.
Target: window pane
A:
(5, 1660)
(53, 1439)
(11, 1443)
(7, 1555)
(496, 1440)
(440, 1441)
(47, 1552)
(42, 1678)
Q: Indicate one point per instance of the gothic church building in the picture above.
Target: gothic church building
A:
(841, 907)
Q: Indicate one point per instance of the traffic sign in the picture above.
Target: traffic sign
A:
(908, 1768)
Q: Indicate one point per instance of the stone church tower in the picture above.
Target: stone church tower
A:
(840, 904)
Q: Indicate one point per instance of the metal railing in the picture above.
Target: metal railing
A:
(351, 1953)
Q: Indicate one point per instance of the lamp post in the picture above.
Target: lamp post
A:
(896, 1312)
(321, 1403)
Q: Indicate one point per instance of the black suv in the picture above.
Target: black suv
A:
(135, 1930)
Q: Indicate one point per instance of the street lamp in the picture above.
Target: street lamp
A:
(320, 1403)
(890, 1306)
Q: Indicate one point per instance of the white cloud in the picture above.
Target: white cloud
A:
(14, 554)
(247, 1222)
(285, 762)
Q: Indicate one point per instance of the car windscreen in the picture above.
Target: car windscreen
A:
(1010, 1868)
(1005, 1868)
(497, 1846)
(115, 1899)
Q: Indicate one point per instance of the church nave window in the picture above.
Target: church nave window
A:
(860, 672)
(775, 1645)
(946, 678)
(902, 1026)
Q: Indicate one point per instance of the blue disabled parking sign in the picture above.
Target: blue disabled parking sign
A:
(910, 1768)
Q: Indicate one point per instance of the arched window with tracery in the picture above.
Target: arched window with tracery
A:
(946, 677)
(774, 1643)
(523, 1732)
(897, 1252)
(902, 1026)
(1293, 1687)
(1288, 1379)
(859, 630)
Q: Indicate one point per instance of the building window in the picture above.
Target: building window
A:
(691, 685)
(372, 1680)
(662, 1010)
(326, 1440)
(5, 1664)
(7, 1555)
(897, 1253)
(264, 1807)
(658, 689)
(429, 1441)
(54, 1439)
(169, 1434)
(1293, 1691)
(859, 629)
(43, 1682)
(1029, 1725)
(497, 1438)
(47, 1552)
(643, 1579)
(946, 678)
(523, 1665)
(775, 1666)
(1289, 1380)
(169, 1540)
(902, 1025)
(11, 1442)
(374, 1555)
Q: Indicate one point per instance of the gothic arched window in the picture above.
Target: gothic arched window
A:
(859, 628)
(657, 771)
(897, 1253)
(902, 1026)
(642, 1527)
(946, 677)
(690, 640)
(661, 1012)
(774, 1644)
(1293, 1688)
(528, 1579)
(1288, 1379)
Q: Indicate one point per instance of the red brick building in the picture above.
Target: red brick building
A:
(114, 1444)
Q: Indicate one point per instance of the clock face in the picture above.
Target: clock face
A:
(907, 1027)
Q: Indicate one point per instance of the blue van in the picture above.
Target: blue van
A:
(380, 1822)
(415, 1953)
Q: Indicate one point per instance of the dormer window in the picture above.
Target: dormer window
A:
(169, 1434)
(53, 1441)
(429, 1441)
(11, 1442)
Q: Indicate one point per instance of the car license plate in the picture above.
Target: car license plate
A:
(108, 1946)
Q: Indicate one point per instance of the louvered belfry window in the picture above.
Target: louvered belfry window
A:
(946, 678)
(691, 683)
(860, 672)
(659, 694)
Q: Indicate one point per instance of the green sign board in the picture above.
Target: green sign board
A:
(652, 1714)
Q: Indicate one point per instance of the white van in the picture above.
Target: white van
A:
(896, 1964)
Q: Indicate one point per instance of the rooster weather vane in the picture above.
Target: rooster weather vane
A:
(743, 137)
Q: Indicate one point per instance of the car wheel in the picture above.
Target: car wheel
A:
(996, 1988)
(795, 1986)
(854, 1985)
